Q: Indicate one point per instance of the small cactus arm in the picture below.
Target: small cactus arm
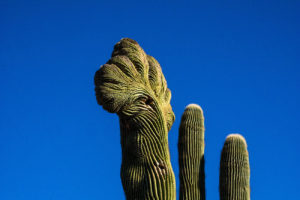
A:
(191, 154)
(132, 85)
(234, 169)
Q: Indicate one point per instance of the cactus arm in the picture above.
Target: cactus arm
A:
(191, 154)
(234, 169)
(132, 85)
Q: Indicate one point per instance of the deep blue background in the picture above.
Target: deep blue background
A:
(239, 61)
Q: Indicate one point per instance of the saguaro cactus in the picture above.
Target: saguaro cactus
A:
(234, 169)
(132, 85)
(191, 154)
(234, 166)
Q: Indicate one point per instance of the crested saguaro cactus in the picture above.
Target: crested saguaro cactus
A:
(132, 85)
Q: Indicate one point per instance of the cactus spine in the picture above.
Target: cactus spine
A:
(234, 169)
(132, 85)
(191, 154)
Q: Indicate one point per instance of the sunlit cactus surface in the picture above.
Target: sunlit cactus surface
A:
(132, 85)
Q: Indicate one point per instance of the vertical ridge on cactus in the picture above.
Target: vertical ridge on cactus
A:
(132, 85)
(234, 169)
(191, 154)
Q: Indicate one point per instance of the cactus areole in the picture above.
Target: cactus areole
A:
(132, 85)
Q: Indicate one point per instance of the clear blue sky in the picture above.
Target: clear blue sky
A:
(239, 61)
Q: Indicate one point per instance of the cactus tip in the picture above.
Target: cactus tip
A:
(193, 106)
(237, 137)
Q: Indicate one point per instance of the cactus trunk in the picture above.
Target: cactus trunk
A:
(191, 154)
(146, 171)
(234, 169)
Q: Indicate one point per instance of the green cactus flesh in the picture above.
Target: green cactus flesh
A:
(234, 169)
(132, 85)
(191, 154)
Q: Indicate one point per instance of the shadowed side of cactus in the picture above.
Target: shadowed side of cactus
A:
(191, 154)
(132, 85)
(234, 169)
